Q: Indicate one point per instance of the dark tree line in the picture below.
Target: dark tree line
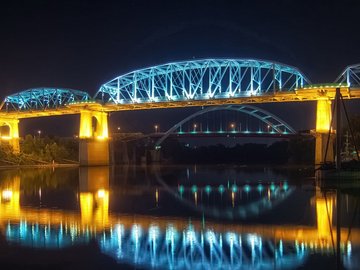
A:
(298, 150)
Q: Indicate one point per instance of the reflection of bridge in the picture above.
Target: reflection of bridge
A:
(164, 242)
(183, 84)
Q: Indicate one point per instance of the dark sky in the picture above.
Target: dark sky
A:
(82, 44)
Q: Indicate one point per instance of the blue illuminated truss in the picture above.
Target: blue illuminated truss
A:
(277, 125)
(201, 80)
(350, 76)
(42, 99)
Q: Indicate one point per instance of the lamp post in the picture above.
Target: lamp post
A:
(232, 125)
(156, 128)
(195, 126)
(39, 132)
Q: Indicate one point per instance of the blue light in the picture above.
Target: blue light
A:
(272, 187)
(231, 238)
(136, 233)
(234, 188)
(171, 234)
(221, 189)
(207, 189)
(211, 237)
(285, 186)
(190, 236)
(247, 188)
(153, 233)
(194, 188)
(181, 189)
(260, 188)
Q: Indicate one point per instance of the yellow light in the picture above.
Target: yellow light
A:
(157, 196)
(324, 216)
(233, 199)
(6, 138)
(323, 115)
(101, 193)
(86, 207)
(7, 194)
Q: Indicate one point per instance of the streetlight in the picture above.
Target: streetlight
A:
(232, 125)
(156, 128)
(268, 128)
(195, 126)
(118, 128)
(39, 132)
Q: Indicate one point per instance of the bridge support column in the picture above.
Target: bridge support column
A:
(12, 136)
(324, 144)
(94, 138)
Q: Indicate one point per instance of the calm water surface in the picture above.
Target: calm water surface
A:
(185, 217)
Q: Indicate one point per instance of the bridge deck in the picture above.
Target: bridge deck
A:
(300, 95)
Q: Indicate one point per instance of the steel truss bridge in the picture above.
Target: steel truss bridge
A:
(208, 82)
(182, 84)
(272, 125)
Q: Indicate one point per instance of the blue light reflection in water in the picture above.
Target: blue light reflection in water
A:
(173, 248)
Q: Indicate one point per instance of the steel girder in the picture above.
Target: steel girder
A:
(42, 99)
(350, 76)
(201, 80)
(276, 124)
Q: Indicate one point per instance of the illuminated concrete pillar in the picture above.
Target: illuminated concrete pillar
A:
(323, 143)
(94, 138)
(12, 138)
(94, 195)
(87, 127)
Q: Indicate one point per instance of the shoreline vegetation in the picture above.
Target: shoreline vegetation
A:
(40, 151)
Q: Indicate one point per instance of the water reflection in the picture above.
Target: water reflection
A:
(173, 242)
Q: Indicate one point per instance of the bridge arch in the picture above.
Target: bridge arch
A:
(268, 118)
(253, 209)
(201, 80)
(350, 76)
(42, 98)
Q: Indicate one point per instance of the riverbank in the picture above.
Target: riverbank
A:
(51, 165)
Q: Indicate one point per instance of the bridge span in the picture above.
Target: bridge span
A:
(208, 82)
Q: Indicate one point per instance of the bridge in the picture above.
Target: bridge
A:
(172, 241)
(208, 82)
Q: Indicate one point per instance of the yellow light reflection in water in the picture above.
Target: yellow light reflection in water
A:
(10, 198)
(157, 197)
(86, 207)
(233, 199)
(324, 209)
(102, 207)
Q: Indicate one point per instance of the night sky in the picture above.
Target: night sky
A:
(83, 44)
